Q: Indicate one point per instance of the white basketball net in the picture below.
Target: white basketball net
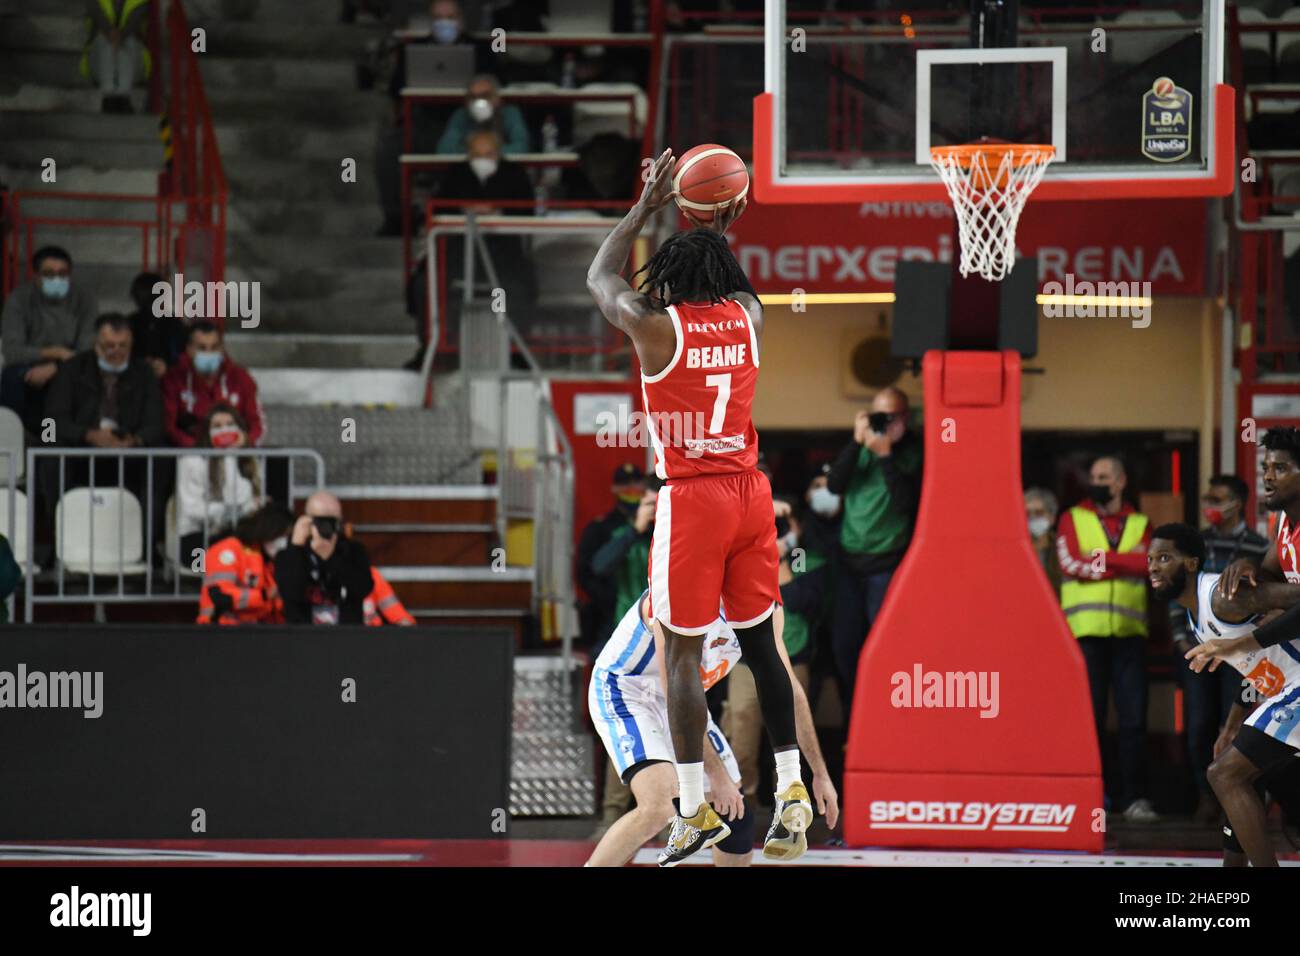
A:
(989, 201)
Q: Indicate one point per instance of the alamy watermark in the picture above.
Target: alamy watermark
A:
(1098, 300)
(946, 689)
(74, 690)
(209, 300)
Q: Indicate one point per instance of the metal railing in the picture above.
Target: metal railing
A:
(535, 477)
(140, 572)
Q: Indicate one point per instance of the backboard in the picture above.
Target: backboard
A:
(1132, 100)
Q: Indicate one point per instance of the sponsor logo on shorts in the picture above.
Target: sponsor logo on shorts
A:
(971, 815)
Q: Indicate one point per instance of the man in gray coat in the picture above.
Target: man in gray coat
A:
(46, 322)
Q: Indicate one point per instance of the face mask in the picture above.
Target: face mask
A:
(483, 167)
(207, 363)
(481, 110)
(111, 369)
(1039, 526)
(824, 501)
(55, 287)
(225, 436)
(273, 548)
(445, 30)
(632, 499)
(1212, 515)
(1100, 494)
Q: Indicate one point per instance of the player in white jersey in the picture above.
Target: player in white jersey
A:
(628, 703)
(1224, 630)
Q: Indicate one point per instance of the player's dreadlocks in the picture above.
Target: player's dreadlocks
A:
(1285, 438)
(692, 265)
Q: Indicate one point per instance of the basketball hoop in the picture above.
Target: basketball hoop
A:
(989, 183)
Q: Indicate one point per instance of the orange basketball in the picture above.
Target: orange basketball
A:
(707, 175)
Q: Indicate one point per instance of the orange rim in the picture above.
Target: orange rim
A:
(1022, 154)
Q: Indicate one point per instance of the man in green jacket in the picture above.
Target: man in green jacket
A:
(878, 476)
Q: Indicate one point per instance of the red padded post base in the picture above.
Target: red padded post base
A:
(1014, 764)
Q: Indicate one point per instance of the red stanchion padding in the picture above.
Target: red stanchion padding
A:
(972, 723)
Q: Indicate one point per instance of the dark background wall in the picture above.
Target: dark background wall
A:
(250, 725)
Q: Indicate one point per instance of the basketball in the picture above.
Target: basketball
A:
(707, 175)
(1163, 86)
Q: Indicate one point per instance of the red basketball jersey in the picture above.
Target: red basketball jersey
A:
(698, 408)
(1287, 539)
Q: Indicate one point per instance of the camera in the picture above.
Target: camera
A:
(326, 526)
(879, 421)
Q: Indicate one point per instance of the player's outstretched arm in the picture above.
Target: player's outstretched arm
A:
(622, 306)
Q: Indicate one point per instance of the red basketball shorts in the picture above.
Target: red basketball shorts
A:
(714, 542)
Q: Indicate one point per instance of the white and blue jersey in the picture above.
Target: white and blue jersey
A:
(626, 697)
(1273, 672)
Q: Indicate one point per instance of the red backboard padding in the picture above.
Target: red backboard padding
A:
(971, 596)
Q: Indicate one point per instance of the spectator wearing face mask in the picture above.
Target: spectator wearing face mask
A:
(597, 615)
(1209, 695)
(878, 475)
(1102, 546)
(101, 398)
(485, 176)
(158, 340)
(239, 578)
(1040, 513)
(213, 493)
(446, 28)
(205, 376)
(46, 322)
(324, 575)
(484, 112)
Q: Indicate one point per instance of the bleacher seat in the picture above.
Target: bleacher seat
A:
(112, 517)
(11, 439)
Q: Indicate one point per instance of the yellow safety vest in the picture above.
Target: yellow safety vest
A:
(1113, 608)
(129, 7)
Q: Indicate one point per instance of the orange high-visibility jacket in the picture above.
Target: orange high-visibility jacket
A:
(381, 604)
(236, 583)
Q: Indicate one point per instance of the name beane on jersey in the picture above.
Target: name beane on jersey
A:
(716, 356)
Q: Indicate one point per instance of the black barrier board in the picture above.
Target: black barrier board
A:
(148, 732)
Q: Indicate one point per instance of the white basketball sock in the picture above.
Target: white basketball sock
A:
(787, 769)
(690, 781)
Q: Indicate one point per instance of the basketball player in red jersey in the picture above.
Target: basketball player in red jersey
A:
(696, 325)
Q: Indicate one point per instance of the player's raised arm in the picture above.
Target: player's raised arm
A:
(623, 306)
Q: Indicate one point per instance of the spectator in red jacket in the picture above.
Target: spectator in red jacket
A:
(205, 376)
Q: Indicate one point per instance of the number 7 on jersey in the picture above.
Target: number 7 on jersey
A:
(723, 384)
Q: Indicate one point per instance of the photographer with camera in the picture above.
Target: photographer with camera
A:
(323, 575)
(878, 479)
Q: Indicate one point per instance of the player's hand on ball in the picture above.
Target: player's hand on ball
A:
(724, 214)
(828, 801)
(658, 191)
